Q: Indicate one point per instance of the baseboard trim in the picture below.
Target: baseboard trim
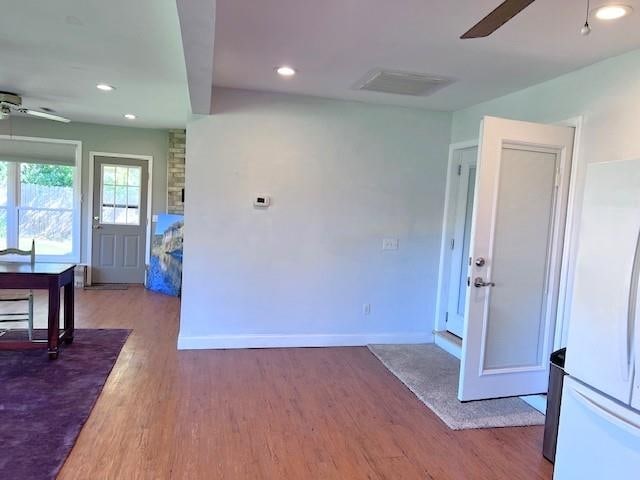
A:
(539, 402)
(449, 343)
(279, 341)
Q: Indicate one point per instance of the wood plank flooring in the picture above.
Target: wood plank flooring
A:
(316, 413)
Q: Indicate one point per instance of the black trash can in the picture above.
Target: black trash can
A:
(554, 396)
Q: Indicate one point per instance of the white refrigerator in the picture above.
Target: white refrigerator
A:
(599, 431)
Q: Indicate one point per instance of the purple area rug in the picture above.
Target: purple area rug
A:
(44, 403)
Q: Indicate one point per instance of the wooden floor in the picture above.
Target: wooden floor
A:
(317, 413)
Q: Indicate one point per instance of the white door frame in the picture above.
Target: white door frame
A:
(574, 203)
(92, 160)
(569, 250)
(448, 229)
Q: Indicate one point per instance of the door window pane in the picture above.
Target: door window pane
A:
(134, 177)
(120, 192)
(109, 174)
(121, 175)
(108, 215)
(109, 195)
(133, 196)
(133, 216)
(121, 215)
(121, 196)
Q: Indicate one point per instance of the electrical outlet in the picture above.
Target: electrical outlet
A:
(366, 309)
(389, 244)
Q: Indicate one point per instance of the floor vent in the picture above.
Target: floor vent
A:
(402, 83)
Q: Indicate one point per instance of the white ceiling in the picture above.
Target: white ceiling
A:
(334, 43)
(54, 52)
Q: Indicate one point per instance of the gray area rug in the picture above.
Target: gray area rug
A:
(432, 375)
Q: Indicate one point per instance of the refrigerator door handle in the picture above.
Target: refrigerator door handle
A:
(604, 412)
(631, 310)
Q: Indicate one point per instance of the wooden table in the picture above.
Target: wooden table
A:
(43, 276)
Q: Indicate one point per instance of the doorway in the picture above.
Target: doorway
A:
(501, 274)
(119, 219)
(460, 240)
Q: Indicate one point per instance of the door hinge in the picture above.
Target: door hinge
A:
(453, 243)
(557, 178)
(459, 170)
(446, 317)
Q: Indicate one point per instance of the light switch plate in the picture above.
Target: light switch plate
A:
(389, 244)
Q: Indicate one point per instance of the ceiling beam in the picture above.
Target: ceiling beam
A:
(197, 26)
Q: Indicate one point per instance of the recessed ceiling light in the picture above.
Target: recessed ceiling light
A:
(285, 71)
(612, 12)
(129, 116)
(104, 87)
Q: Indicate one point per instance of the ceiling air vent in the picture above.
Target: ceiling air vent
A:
(403, 83)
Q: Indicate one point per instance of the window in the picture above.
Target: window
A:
(45, 209)
(38, 202)
(3, 205)
(120, 195)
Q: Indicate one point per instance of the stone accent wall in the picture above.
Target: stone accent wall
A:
(175, 171)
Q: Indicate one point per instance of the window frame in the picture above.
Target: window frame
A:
(13, 189)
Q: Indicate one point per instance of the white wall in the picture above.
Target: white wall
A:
(606, 95)
(342, 176)
(102, 138)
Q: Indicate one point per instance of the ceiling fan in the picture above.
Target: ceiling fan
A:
(12, 103)
(497, 18)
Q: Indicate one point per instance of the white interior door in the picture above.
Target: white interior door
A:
(461, 240)
(516, 245)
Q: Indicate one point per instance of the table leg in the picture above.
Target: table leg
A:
(68, 313)
(54, 318)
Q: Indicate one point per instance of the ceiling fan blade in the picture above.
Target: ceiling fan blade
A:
(45, 115)
(501, 15)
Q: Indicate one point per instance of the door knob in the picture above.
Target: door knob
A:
(97, 227)
(479, 282)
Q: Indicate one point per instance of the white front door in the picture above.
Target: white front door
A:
(460, 242)
(516, 247)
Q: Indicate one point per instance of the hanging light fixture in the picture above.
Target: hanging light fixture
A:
(586, 28)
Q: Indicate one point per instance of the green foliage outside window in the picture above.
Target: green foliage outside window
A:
(47, 175)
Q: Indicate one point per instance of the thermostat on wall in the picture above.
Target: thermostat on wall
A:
(262, 201)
